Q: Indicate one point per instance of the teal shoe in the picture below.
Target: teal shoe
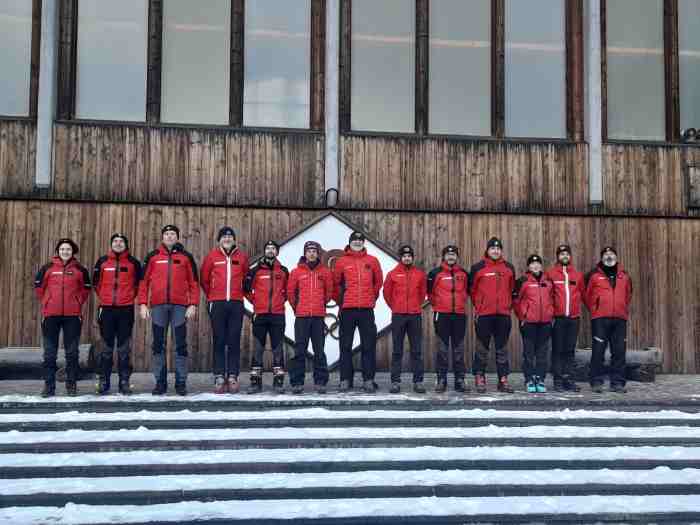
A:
(541, 389)
(531, 387)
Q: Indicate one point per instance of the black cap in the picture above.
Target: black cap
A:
(66, 240)
(272, 243)
(534, 258)
(406, 250)
(450, 248)
(313, 245)
(607, 249)
(119, 236)
(170, 228)
(494, 242)
(357, 236)
(563, 248)
(226, 230)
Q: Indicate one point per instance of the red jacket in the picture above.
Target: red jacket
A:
(605, 301)
(405, 289)
(357, 279)
(533, 299)
(170, 276)
(569, 288)
(222, 275)
(62, 288)
(309, 290)
(266, 287)
(115, 279)
(491, 286)
(448, 288)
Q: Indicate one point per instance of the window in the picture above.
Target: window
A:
(15, 58)
(460, 67)
(689, 50)
(277, 63)
(635, 69)
(535, 66)
(196, 61)
(383, 65)
(111, 69)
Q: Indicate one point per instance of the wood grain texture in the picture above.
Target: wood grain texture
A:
(17, 157)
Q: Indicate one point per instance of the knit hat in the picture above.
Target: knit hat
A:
(406, 250)
(226, 230)
(607, 249)
(66, 240)
(119, 236)
(494, 242)
(312, 245)
(534, 258)
(272, 243)
(563, 248)
(170, 228)
(450, 248)
(357, 236)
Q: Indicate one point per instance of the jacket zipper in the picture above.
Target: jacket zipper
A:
(228, 278)
(541, 304)
(567, 293)
(170, 274)
(63, 290)
(116, 282)
(408, 280)
(452, 271)
(272, 286)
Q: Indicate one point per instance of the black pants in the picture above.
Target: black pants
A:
(272, 324)
(162, 317)
(51, 328)
(116, 328)
(411, 325)
(564, 337)
(306, 328)
(496, 327)
(363, 320)
(226, 323)
(608, 330)
(535, 339)
(450, 328)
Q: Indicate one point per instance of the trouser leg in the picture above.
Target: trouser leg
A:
(259, 338)
(50, 328)
(179, 324)
(318, 341)
(599, 329)
(568, 352)
(528, 331)
(218, 317)
(125, 330)
(484, 333)
(399, 328)
(415, 339)
(71, 341)
(441, 323)
(233, 337)
(108, 321)
(302, 334)
(618, 350)
(348, 322)
(160, 320)
(544, 333)
(276, 330)
(502, 327)
(559, 334)
(368, 340)
(458, 330)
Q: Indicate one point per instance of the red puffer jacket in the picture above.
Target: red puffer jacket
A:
(405, 288)
(62, 288)
(357, 279)
(534, 299)
(491, 286)
(115, 279)
(569, 288)
(448, 288)
(266, 287)
(605, 301)
(170, 276)
(310, 289)
(223, 274)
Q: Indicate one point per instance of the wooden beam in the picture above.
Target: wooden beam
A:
(498, 72)
(237, 63)
(422, 66)
(672, 71)
(317, 95)
(575, 102)
(345, 64)
(35, 59)
(67, 58)
(604, 69)
(155, 61)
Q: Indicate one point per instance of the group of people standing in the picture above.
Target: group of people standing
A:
(167, 289)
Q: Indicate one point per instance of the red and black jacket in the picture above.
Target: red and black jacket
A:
(116, 278)
(491, 286)
(170, 276)
(357, 279)
(605, 299)
(448, 287)
(223, 274)
(310, 289)
(405, 288)
(569, 288)
(533, 299)
(265, 287)
(62, 288)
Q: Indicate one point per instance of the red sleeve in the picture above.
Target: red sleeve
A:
(205, 274)
(423, 289)
(517, 301)
(378, 278)
(285, 285)
(145, 283)
(86, 286)
(40, 281)
(388, 290)
(292, 285)
(337, 278)
(329, 286)
(194, 284)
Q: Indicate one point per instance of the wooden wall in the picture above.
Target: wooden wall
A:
(17, 157)
(660, 254)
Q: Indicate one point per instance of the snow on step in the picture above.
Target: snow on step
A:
(659, 476)
(325, 413)
(290, 509)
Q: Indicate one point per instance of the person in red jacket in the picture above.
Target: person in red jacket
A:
(265, 286)
(62, 286)
(223, 271)
(533, 303)
(170, 286)
(405, 288)
(447, 289)
(608, 296)
(357, 281)
(491, 283)
(309, 289)
(115, 280)
(568, 293)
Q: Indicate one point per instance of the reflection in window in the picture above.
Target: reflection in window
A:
(689, 49)
(383, 65)
(535, 67)
(460, 67)
(15, 57)
(635, 69)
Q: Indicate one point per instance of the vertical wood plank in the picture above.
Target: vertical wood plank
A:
(318, 64)
(155, 61)
(237, 59)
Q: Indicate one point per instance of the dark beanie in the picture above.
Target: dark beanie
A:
(607, 249)
(406, 250)
(357, 236)
(494, 242)
(170, 228)
(226, 230)
(534, 258)
(450, 248)
(312, 245)
(66, 240)
(272, 243)
(563, 248)
(119, 236)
